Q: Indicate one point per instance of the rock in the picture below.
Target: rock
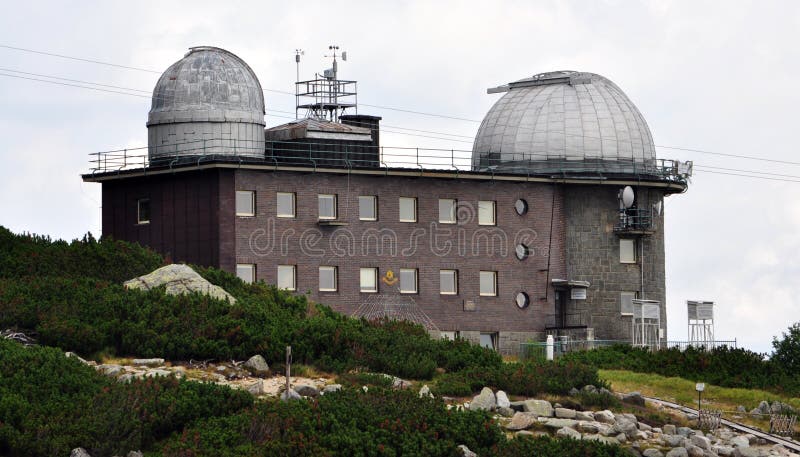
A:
(179, 279)
(740, 441)
(622, 438)
(764, 408)
(502, 399)
(589, 388)
(573, 392)
(155, 362)
(746, 452)
(626, 426)
(521, 421)
(568, 432)
(306, 390)
(330, 388)
(127, 377)
(524, 433)
(634, 398)
(702, 442)
(505, 412)
(256, 388)
(111, 370)
(685, 431)
(257, 365)
(678, 452)
(539, 407)
(565, 413)
(723, 451)
(290, 394)
(584, 415)
(694, 451)
(157, 372)
(73, 355)
(674, 440)
(601, 438)
(652, 453)
(135, 454)
(588, 427)
(79, 452)
(669, 429)
(464, 451)
(425, 391)
(741, 409)
(605, 416)
(560, 423)
(484, 401)
(644, 427)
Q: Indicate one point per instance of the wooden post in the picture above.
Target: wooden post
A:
(288, 368)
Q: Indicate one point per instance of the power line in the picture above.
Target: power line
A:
(72, 80)
(98, 62)
(748, 176)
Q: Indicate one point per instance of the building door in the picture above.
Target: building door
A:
(561, 308)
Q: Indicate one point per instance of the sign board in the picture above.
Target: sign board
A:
(700, 386)
(578, 293)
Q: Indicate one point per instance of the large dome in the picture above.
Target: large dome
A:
(563, 121)
(209, 102)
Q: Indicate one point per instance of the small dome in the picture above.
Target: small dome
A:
(209, 103)
(207, 84)
(563, 120)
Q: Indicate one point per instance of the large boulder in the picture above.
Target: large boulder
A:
(568, 432)
(331, 388)
(79, 452)
(257, 365)
(605, 416)
(556, 423)
(678, 452)
(565, 413)
(179, 279)
(634, 398)
(502, 399)
(539, 407)
(288, 395)
(521, 421)
(702, 442)
(306, 390)
(484, 401)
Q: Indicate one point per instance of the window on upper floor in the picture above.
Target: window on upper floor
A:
(245, 203)
(408, 209)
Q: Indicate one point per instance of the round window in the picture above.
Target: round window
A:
(522, 300)
(521, 207)
(521, 251)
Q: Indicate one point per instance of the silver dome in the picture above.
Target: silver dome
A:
(208, 103)
(563, 121)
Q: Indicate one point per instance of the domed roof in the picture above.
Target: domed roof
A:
(561, 118)
(207, 84)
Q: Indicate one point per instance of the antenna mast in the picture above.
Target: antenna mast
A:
(326, 96)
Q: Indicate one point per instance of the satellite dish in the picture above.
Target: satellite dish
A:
(627, 197)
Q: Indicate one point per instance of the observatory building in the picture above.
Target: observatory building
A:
(552, 224)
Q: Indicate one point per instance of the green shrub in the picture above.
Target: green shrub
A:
(524, 446)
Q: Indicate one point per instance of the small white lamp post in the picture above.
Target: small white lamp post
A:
(699, 387)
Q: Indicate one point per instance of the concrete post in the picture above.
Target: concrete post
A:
(549, 349)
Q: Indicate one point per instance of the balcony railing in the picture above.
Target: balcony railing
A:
(339, 155)
(634, 220)
(571, 320)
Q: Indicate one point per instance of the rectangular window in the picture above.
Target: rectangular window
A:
(369, 280)
(408, 209)
(627, 250)
(368, 208)
(246, 272)
(488, 283)
(486, 212)
(408, 280)
(327, 206)
(327, 279)
(626, 303)
(447, 210)
(245, 203)
(448, 282)
(143, 211)
(286, 277)
(286, 204)
(489, 341)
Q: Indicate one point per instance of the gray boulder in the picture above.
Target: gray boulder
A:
(588, 427)
(584, 415)
(565, 413)
(741, 409)
(157, 372)
(568, 432)
(634, 398)
(678, 452)
(330, 388)
(521, 421)
(702, 442)
(556, 423)
(605, 416)
(502, 399)
(465, 452)
(135, 454)
(626, 426)
(306, 390)
(505, 412)
(747, 452)
(425, 391)
(179, 279)
(669, 429)
(484, 401)
(111, 370)
(289, 395)
(740, 441)
(573, 392)
(79, 452)
(539, 407)
(651, 452)
(256, 388)
(73, 355)
(693, 450)
(257, 365)
(723, 451)
(589, 388)
(685, 431)
(674, 440)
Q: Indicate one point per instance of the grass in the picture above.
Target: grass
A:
(682, 391)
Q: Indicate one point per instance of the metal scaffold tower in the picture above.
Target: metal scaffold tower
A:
(646, 324)
(701, 323)
(326, 96)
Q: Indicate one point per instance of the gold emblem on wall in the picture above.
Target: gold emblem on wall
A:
(389, 278)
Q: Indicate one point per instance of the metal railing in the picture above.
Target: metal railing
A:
(538, 349)
(576, 319)
(349, 156)
(633, 220)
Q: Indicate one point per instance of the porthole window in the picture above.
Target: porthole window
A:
(521, 207)
(522, 300)
(522, 251)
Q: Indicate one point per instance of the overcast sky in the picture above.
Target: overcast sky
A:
(712, 76)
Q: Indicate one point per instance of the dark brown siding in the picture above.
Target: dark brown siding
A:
(185, 214)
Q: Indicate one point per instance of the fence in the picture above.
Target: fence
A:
(538, 350)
